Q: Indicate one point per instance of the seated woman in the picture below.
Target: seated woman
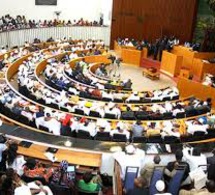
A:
(90, 183)
(34, 170)
(13, 184)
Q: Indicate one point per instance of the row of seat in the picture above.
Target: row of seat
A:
(89, 96)
(127, 115)
(105, 136)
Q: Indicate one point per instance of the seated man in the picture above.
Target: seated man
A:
(137, 129)
(209, 190)
(147, 171)
(113, 110)
(133, 97)
(49, 122)
(170, 128)
(132, 156)
(160, 186)
(127, 84)
(194, 158)
(170, 170)
(118, 130)
(196, 126)
(88, 126)
(103, 124)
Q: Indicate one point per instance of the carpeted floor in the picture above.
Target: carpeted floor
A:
(141, 83)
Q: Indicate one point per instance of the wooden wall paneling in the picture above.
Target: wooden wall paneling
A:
(204, 55)
(150, 19)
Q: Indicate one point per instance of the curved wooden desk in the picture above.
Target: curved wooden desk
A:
(41, 67)
(200, 68)
(12, 69)
(130, 54)
(189, 57)
(74, 157)
(190, 87)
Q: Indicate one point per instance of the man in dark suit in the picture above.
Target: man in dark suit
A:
(211, 166)
(211, 160)
(171, 166)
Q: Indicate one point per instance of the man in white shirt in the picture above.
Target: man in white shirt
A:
(89, 126)
(133, 97)
(107, 95)
(73, 55)
(170, 129)
(195, 126)
(194, 158)
(51, 123)
(118, 130)
(132, 156)
(104, 124)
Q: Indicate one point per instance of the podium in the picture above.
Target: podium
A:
(130, 54)
(171, 64)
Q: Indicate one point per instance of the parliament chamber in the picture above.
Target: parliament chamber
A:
(111, 103)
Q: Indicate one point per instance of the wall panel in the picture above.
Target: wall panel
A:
(151, 19)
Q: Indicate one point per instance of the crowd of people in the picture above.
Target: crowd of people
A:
(65, 124)
(197, 171)
(155, 49)
(60, 123)
(194, 46)
(9, 22)
(27, 176)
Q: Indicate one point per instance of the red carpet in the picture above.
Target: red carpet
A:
(147, 63)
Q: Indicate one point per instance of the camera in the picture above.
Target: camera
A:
(112, 58)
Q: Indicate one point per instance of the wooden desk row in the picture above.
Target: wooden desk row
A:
(188, 55)
(11, 67)
(74, 156)
(130, 55)
(42, 65)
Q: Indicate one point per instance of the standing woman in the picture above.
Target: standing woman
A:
(14, 160)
